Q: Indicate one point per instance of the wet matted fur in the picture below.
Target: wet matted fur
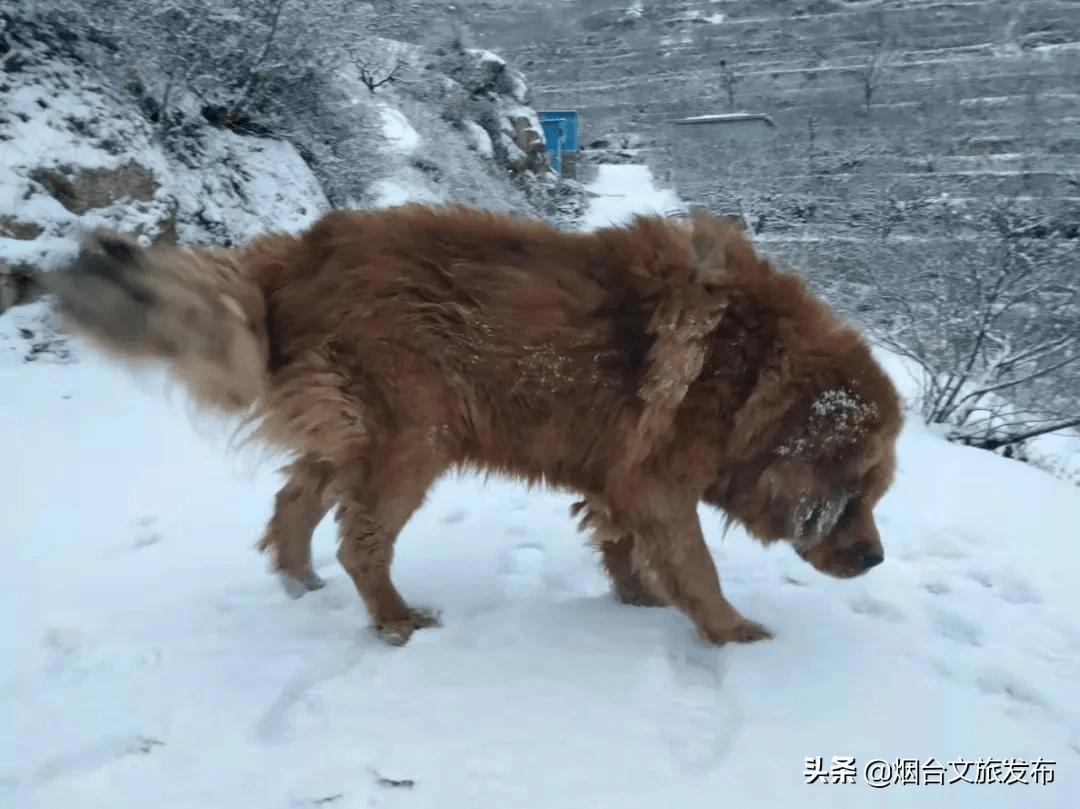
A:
(647, 368)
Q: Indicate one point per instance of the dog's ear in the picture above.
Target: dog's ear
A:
(720, 246)
(691, 296)
(708, 235)
(681, 325)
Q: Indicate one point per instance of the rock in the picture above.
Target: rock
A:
(530, 141)
(13, 228)
(17, 286)
(80, 190)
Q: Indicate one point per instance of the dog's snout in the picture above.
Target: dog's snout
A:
(869, 560)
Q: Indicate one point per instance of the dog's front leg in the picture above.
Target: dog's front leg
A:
(672, 547)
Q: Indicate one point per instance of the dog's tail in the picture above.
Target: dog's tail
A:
(192, 310)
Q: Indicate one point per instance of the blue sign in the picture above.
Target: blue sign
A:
(560, 134)
(569, 123)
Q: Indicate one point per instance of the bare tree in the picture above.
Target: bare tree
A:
(376, 71)
(259, 63)
(873, 70)
(991, 317)
(236, 60)
(730, 79)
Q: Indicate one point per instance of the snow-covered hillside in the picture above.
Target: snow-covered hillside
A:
(150, 659)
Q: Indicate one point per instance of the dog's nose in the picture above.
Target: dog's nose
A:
(870, 560)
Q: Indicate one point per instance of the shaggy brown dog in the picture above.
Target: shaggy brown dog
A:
(647, 368)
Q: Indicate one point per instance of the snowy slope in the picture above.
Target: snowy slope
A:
(150, 659)
(57, 115)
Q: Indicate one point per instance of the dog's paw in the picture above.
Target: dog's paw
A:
(300, 584)
(745, 631)
(637, 595)
(642, 601)
(398, 632)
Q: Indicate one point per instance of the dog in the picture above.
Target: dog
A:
(647, 368)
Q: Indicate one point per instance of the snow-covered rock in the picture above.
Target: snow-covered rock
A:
(78, 156)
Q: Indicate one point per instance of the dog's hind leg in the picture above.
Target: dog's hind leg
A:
(373, 509)
(632, 583)
(670, 543)
(299, 507)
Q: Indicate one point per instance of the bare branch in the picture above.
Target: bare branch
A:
(374, 73)
(1016, 438)
(254, 69)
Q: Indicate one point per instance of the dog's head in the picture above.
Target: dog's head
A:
(810, 448)
(812, 454)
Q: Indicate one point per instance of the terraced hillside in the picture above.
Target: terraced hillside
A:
(916, 119)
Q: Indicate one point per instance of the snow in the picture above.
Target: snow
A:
(485, 56)
(398, 132)
(519, 89)
(407, 186)
(623, 190)
(267, 186)
(48, 141)
(726, 117)
(1058, 453)
(478, 138)
(515, 154)
(150, 657)
(28, 332)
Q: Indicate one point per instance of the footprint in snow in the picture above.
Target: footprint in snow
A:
(876, 608)
(1008, 585)
(995, 683)
(956, 628)
(1004, 684)
(96, 755)
(455, 516)
(937, 588)
(145, 536)
(273, 724)
(522, 568)
(701, 720)
(68, 651)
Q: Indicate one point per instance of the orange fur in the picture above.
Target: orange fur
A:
(648, 368)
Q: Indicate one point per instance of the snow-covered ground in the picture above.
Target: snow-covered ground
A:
(624, 190)
(150, 660)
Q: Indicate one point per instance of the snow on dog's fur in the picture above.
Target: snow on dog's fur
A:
(648, 368)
